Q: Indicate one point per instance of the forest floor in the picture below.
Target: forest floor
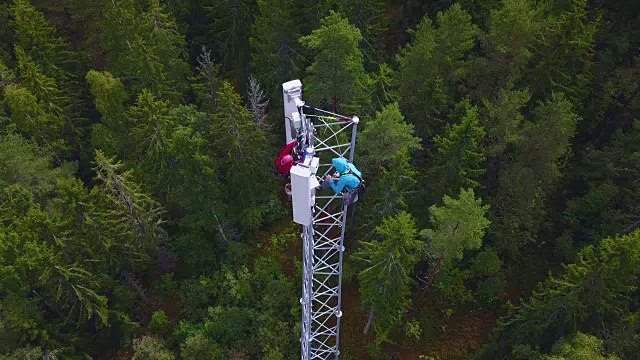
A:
(444, 338)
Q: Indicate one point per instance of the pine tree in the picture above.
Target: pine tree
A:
(230, 25)
(386, 278)
(431, 67)
(458, 225)
(36, 36)
(563, 53)
(369, 17)
(277, 55)
(49, 68)
(459, 158)
(385, 148)
(31, 120)
(503, 120)
(337, 73)
(592, 295)
(509, 44)
(121, 201)
(112, 134)
(145, 49)
(239, 144)
(610, 205)
(531, 176)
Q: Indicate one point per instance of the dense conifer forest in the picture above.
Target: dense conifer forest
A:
(500, 142)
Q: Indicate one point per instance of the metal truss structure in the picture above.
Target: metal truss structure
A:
(328, 136)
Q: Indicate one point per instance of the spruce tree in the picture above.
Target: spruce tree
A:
(337, 74)
(459, 158)
(385, 279)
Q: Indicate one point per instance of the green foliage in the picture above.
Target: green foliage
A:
(533, 174)
(580, 346)
(369, 17)
(230, 23)
(112, 134)
(458, 225)
(503, 120)
(145, 48)
(385, 280)
(386, 137)
(414, 330)
(513, 29)
(563, 53)
(490, 291)
(486, 263)
(459, 157)
(5, 33)
(487, 271)
(159, 323)
(451, 286)
(609, 205)
(25, 163)
(337, 72)
(443, 105)
(130, 205)
(196, 295)
(244, 165)
(577, 346)
(200, 347)
(150, 348)
(385, 148)
(431, 67)
(246, 315)
(30, 118)
(277, 54)
(34, 34)
(600, 285)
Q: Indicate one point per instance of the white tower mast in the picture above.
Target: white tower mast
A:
(323, 218)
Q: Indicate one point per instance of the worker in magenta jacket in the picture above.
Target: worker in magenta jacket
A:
(284, 162)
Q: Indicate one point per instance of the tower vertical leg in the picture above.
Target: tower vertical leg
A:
(344, 226)
(307, 290)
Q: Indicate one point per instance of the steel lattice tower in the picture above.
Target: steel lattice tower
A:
(323, 218)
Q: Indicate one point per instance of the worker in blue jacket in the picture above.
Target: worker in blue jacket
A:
(347, 177)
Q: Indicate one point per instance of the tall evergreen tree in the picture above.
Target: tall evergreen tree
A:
(458, 225)
(431, 67)
(533, 174)
(49, 68)
(503, 120)
(337, 73)
(230, 25)
(592, 295)
(384, 148)
(277, 55)
(385, 280)
(369, 17)
(145, 49)
(509, 44)
(112, 134)
(459, 158)
(563, 52)
(239, 144)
